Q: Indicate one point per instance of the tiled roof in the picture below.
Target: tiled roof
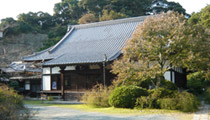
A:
(89, 43)
(20, 67)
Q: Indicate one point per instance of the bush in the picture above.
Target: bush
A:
(147, 83)
(11, 105)
(187, 102)
(98, 96)
(125, 96)
(168, 85)
(151, 101)
(168, 103)
(196, 83)
(183, 101)
(161, 93)
(167, 99)
(144, 102)
(207, 95)
(14, 85)
(50, 98)
(164, 84)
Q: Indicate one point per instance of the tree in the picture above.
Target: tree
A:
(94, 6)
(87, 18)
(199, 59)
(111, 15)
(159, 6)
(68, 11)
(39, 19)
(128, 7)
(202, 17)
(160, 43)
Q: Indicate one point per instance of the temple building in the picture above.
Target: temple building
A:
(83, 57)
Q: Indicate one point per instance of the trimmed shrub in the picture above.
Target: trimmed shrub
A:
(98, 96)
(125, 96)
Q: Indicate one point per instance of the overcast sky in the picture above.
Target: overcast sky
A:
(192, 5)
(11, 8)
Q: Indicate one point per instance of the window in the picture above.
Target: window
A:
(27, 85)
(56, 82)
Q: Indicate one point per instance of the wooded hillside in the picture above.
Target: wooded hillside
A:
(35, 31)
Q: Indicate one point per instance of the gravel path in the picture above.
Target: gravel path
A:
(57, 113)
(203, 113)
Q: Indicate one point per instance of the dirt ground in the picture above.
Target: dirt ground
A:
(57, 113)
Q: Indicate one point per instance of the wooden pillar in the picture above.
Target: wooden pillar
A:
(171, 75)
(62, 81)
(104, 74)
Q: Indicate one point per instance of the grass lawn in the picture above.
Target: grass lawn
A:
(118, 111)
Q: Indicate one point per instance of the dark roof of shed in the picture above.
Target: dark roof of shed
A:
(89, 43)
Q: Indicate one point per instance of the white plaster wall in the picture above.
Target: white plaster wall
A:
(70, 68)
(46, 82)
(46, 70)
(55, 70)
(167, 75)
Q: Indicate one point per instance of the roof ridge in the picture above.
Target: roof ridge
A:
(110, 22)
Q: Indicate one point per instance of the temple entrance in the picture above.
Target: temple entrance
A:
(81, 80)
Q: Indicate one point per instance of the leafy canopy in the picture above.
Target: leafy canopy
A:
(157, 45)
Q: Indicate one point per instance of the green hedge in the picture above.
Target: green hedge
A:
(125, 96)
(166, 99)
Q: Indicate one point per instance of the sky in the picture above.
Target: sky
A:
(192, 5)
(11, 8)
